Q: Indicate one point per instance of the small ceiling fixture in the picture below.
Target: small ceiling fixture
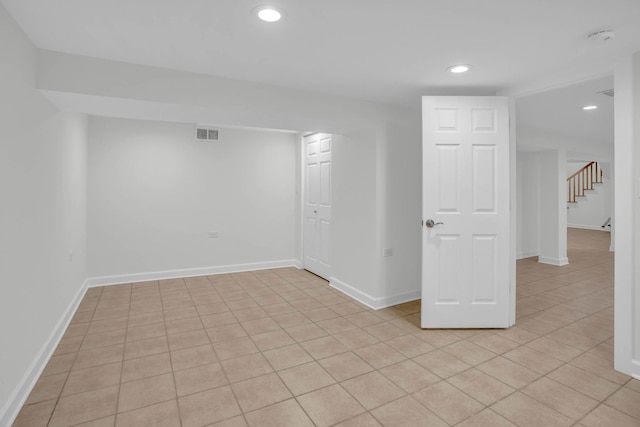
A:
(589, 107)
(459, 68)
(268, 13)
(608, 92)
(602, 35)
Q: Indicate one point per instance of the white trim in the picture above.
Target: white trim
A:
(372, 302)
(300, 191)
(624, 219)
(635, 369)
(12, 407)
(189, 272)
(588, 227)
(513, 209)
(521, 92)
(527, 254)
(553, 261)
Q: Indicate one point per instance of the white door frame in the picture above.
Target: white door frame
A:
(513, 189)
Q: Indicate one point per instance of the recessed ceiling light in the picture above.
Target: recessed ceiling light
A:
(268, 13)
(589, 107)
(460, 68)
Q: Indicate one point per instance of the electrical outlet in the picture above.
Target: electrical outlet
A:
(70, 256)
(213, 234)
(387, 252)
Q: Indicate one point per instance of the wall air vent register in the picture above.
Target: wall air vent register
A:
(206, 134)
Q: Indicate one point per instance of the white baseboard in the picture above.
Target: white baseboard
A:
(372, 302)
(527, 254)
(635, 366)
(189, 272)
(588, 227)
(298, 264)
(12, 407)
(553, 261)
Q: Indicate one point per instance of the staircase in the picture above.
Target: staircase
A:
(583, 180)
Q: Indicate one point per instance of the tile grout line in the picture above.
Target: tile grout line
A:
(173, 375)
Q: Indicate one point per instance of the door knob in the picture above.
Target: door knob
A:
(431, 223)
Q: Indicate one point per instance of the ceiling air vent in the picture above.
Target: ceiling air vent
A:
(206, 134)
(602, 35)
(608, 92)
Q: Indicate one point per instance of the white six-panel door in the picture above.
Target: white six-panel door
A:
(465, 259)
(317, 204)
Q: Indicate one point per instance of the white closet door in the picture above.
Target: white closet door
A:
(317, 205)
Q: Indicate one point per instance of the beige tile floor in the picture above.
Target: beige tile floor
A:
(282, 348)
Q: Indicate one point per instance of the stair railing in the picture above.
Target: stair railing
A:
(583, 180)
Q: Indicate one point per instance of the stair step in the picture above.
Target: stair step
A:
(583, 180)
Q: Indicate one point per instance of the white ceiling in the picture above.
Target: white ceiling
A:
(385, 51)
(559, 113)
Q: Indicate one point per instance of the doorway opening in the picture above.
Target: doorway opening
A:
(555, 137)
(570, 302)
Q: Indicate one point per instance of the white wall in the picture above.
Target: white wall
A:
(155, 193)
(369, 130)
(42, 218)
(400, 194)
(592, 210)
(553, 207)
(528, 205)
(354, 259)
(530, 140)
(541, 206)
